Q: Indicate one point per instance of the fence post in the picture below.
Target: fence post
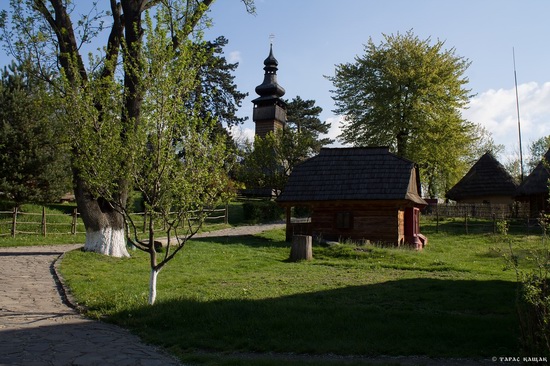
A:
(74, 221)
(466, 222)
(226, 216)
(14, 222)
(43, 223)
(437, 217)
(144, 220)
(494, 223)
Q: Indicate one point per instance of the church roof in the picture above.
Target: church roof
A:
(353, 174)
(487, 177)
(269, 88)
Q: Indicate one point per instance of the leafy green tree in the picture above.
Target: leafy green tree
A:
(216, 91)
(268, 162)
(303, 118)
(407, 93)
(52, 35)
(176, 163)
(34, 163)
(537, 150)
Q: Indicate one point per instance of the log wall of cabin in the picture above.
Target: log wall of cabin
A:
(377, 222)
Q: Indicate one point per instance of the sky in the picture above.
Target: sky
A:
(310, 37)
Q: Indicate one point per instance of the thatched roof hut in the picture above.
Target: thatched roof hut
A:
(534, 188)
(486, 182)
(357, 193)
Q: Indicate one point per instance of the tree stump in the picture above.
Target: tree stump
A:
(301, 248)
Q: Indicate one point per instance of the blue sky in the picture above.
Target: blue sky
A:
(312, 36)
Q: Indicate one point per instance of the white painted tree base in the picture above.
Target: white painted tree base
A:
(153, 286)
(107, 241)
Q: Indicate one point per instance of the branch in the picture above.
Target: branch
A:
(114, 40)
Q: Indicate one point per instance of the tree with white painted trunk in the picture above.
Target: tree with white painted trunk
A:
(101, 100)
(180, 165)
(176, 162)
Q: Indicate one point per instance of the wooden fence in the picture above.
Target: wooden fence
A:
(481, 218)
(16, 222)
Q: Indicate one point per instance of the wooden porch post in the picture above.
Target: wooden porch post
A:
(288, 224)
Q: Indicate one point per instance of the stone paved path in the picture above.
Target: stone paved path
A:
(37, 328)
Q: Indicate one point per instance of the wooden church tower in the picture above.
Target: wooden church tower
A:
(269, 109)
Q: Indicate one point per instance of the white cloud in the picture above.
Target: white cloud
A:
(334, 131)
(234, 56)
(496, 111)
(242, 134)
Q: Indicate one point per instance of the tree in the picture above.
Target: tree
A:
(303, 117)
(52, 35)
(215, 89)
(268, 161)
(34, 164)
(176, 162)
(537, 150)
(407, 93)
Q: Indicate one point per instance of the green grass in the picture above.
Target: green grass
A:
(59, 224)
(227, 298)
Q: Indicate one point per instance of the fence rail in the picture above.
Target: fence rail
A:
(16, 222)
(481, 218)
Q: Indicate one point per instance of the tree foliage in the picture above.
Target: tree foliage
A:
(109, 87)
(269, 161)
(34, 162)
(537, 149)
(407, 93)
(303, 117)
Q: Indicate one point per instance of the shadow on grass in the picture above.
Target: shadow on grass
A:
(253, 241)
(437, 318)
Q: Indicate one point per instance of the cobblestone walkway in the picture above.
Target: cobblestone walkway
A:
(37, 328)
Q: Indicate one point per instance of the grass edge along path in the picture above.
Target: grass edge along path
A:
(239, 294)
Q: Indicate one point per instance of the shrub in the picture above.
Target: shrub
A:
(261, 211)
(533, 298)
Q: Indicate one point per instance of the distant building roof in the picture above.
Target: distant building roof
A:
(537, 181)
(353, 174)
(487, 177)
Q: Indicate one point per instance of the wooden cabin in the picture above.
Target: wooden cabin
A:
(534, 188)
(486, 182)
(358, 194)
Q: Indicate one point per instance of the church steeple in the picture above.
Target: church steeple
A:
(269, 109)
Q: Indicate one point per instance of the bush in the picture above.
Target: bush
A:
(533, 298)
(261, 211)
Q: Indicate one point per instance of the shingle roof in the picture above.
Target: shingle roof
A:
(353, 174)
(487, 177)
(537, 181)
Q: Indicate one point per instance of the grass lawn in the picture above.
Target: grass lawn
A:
(59, 224)
(223, 298)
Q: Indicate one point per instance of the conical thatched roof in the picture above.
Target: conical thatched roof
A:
(487, 177)
(353, 174)
(537, 181)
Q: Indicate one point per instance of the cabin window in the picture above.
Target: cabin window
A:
(343, 220)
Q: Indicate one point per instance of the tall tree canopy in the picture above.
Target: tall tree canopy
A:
(269, 161)
(52, 34)
(407, 93)
(34, 162)
(537, 149)
(303, 117)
